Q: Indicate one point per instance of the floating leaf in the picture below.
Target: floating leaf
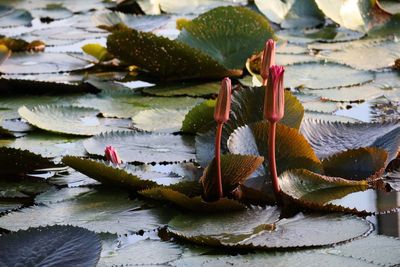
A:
(229, 35)
(199, 117)
(50, 246)
(21, 162)
(317, 191)
(359, 15)
(184, 89)
(51, 13)
(389, 28)
(159, 120)
(10, 17)
(357, 164)
(100, 211)
(390, 6)
(328, 138)
(253, 140)
(59, 195)
(305, 75)
(261, 229)
(22, 188)
(195, 7)
(143, 147)
(37, 63)
(235, 169)
(65, 120)
(163, 57)
(107, 173)
(98, 51)
(292, 14)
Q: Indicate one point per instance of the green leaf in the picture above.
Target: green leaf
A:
(98, 51)
(108, 174)
(235, 169)
(143, 147)
(38, 63)
(159, 120)
(260, 228)
(195, 7)
(50, 246)
(292, 14)
(253, 140)
(357, 164)
(22, 188)
(184, 89)
(10, 17)
(359, 15)
(199, 117)
(328, 138)
(66, 120)
(21, 162)
(102, 211)
(392, 27)
(162, 57)
(316, 191)
(229, 35)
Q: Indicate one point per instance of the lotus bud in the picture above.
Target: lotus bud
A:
(274, 101)
(112, 155)
(223, 106)
(268, 59)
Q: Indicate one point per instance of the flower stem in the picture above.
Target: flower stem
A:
(272, 160)
(218, 157)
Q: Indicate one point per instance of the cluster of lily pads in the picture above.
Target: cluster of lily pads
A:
(259, 171)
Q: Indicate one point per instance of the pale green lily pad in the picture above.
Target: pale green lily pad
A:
(68, 120)
(293, 13)
(116, 252)
(10, 17)
(51, 13)
(328, 138)
(359, 15)
(100, 211)
(15, 188)
(37, 63)
(322, 116)
(184, 89)
(320, 75)
(59, 195)
(159, 120)
(262, 229)
(195, 7)
(229, 35)
(143, 147)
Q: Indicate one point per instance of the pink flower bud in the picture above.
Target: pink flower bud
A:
(112, 155)
(223, 106)
(274, 101)
(268, 59)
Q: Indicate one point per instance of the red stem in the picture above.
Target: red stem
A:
(218, 157)
(264, 82)
(272, 160)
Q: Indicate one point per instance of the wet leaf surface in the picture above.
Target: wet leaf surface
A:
(51, 245)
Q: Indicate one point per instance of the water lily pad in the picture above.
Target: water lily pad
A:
(184, 89)
(328, 138)
(262, 229)
(163, 57)
(143, 147)
(55, 195)
(195, 7)
(159, 120)
(100, 211)
(66, 120)
(199, 117)
(50, 246)
(235, 169)
(357, 164)
(359, 15)
(37, 63)
(21, 162)
(292, 14)
(390, 6)
(229, 35)
(51, 13)
(22, 188)
(253, 140)
(305, 75)
(10, 17)
(391, 27)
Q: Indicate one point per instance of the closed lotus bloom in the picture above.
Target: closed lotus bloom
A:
(268, 60)
(112, 155)
(223, 106)
(274, 101)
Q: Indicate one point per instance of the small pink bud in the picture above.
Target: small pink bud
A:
(268, 59)
(223, 106)
(274, 101)
(112, 155)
